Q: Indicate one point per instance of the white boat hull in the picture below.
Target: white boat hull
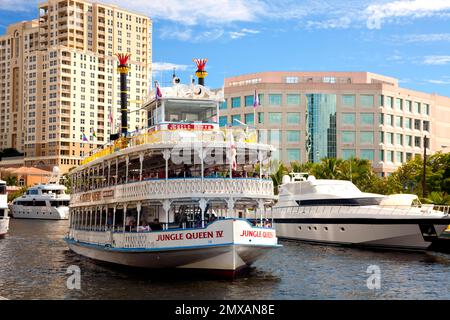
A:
(394, 236)
(233, 250)
(4, 227)
(46, 213)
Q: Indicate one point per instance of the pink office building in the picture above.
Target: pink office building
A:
(312, 115)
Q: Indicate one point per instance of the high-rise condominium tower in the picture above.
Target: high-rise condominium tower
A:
(59, 86)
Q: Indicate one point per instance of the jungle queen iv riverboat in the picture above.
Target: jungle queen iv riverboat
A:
(175, 195)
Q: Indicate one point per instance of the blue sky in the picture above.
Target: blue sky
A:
(405, 39)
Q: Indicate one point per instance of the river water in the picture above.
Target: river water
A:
(34, 261)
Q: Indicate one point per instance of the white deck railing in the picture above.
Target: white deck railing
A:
(424, 210)
(178, 188)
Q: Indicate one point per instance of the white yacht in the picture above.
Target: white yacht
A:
(44, 201)
(173, 195)
(4, 219)
(337, 212)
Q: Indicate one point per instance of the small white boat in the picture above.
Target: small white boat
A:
(337, 212)
(4, 219)
(44, 201)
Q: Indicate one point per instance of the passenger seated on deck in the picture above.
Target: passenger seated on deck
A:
(129, 223)
(155, 226)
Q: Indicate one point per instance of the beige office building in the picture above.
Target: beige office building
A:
(58, 79)
(312, 115)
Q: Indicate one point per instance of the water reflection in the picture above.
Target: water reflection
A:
(34, 260)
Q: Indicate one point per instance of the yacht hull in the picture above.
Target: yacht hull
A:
(4, 227)
(396, 235)
(43, 213)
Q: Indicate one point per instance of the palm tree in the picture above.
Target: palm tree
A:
(328, 168)
(278, 171)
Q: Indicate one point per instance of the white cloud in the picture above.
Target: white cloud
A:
(190, 34)
(427, 37)
(193, 12)
(167, 66)
(340, 23)
(378, 13)
(440, 82)
(242, 33)
(18, 5)
(437, 60)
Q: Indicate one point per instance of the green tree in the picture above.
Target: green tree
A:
(278, 170)
(11, 180)
(15, 194)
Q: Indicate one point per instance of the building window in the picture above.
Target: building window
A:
(416, 107)
(291, 79)
(249, 101)
(348, 100)
(348, 137)
(381, 155)
(260, 117)
(275, 137)
(380, 137)
(250, 118)
(366, 137)
(399, 139)
(408, 123)
(348, 153)
(398, 104)
(389, 119)
(399, 157)
(426, 126)
(293, 155)
(367, 101)
(234, 119)
(426, 109)
(408, 156)
(389, 138)
(388, 102)
(368, 154)
(236, 102)
(408, 105)
(293, 118)
(417, 142)
(293, 99)
(348, 118)
(275, 118)
(292, 136)
(261, 99)
(223, 121)
(416, 124)
(366, 119)
(380, 118)
(390, 156)
(223, 105)
(408, 141)
(398, 121)
(275, 99)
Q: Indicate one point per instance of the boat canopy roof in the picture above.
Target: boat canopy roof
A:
(48, 187)
(324, 189)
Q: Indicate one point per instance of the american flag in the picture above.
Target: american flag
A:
(255, 100)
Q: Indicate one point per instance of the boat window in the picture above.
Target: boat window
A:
(342, 202)
(32, 191)
(186, 111)
(59, 203)
(2, 189)
(32, 203)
